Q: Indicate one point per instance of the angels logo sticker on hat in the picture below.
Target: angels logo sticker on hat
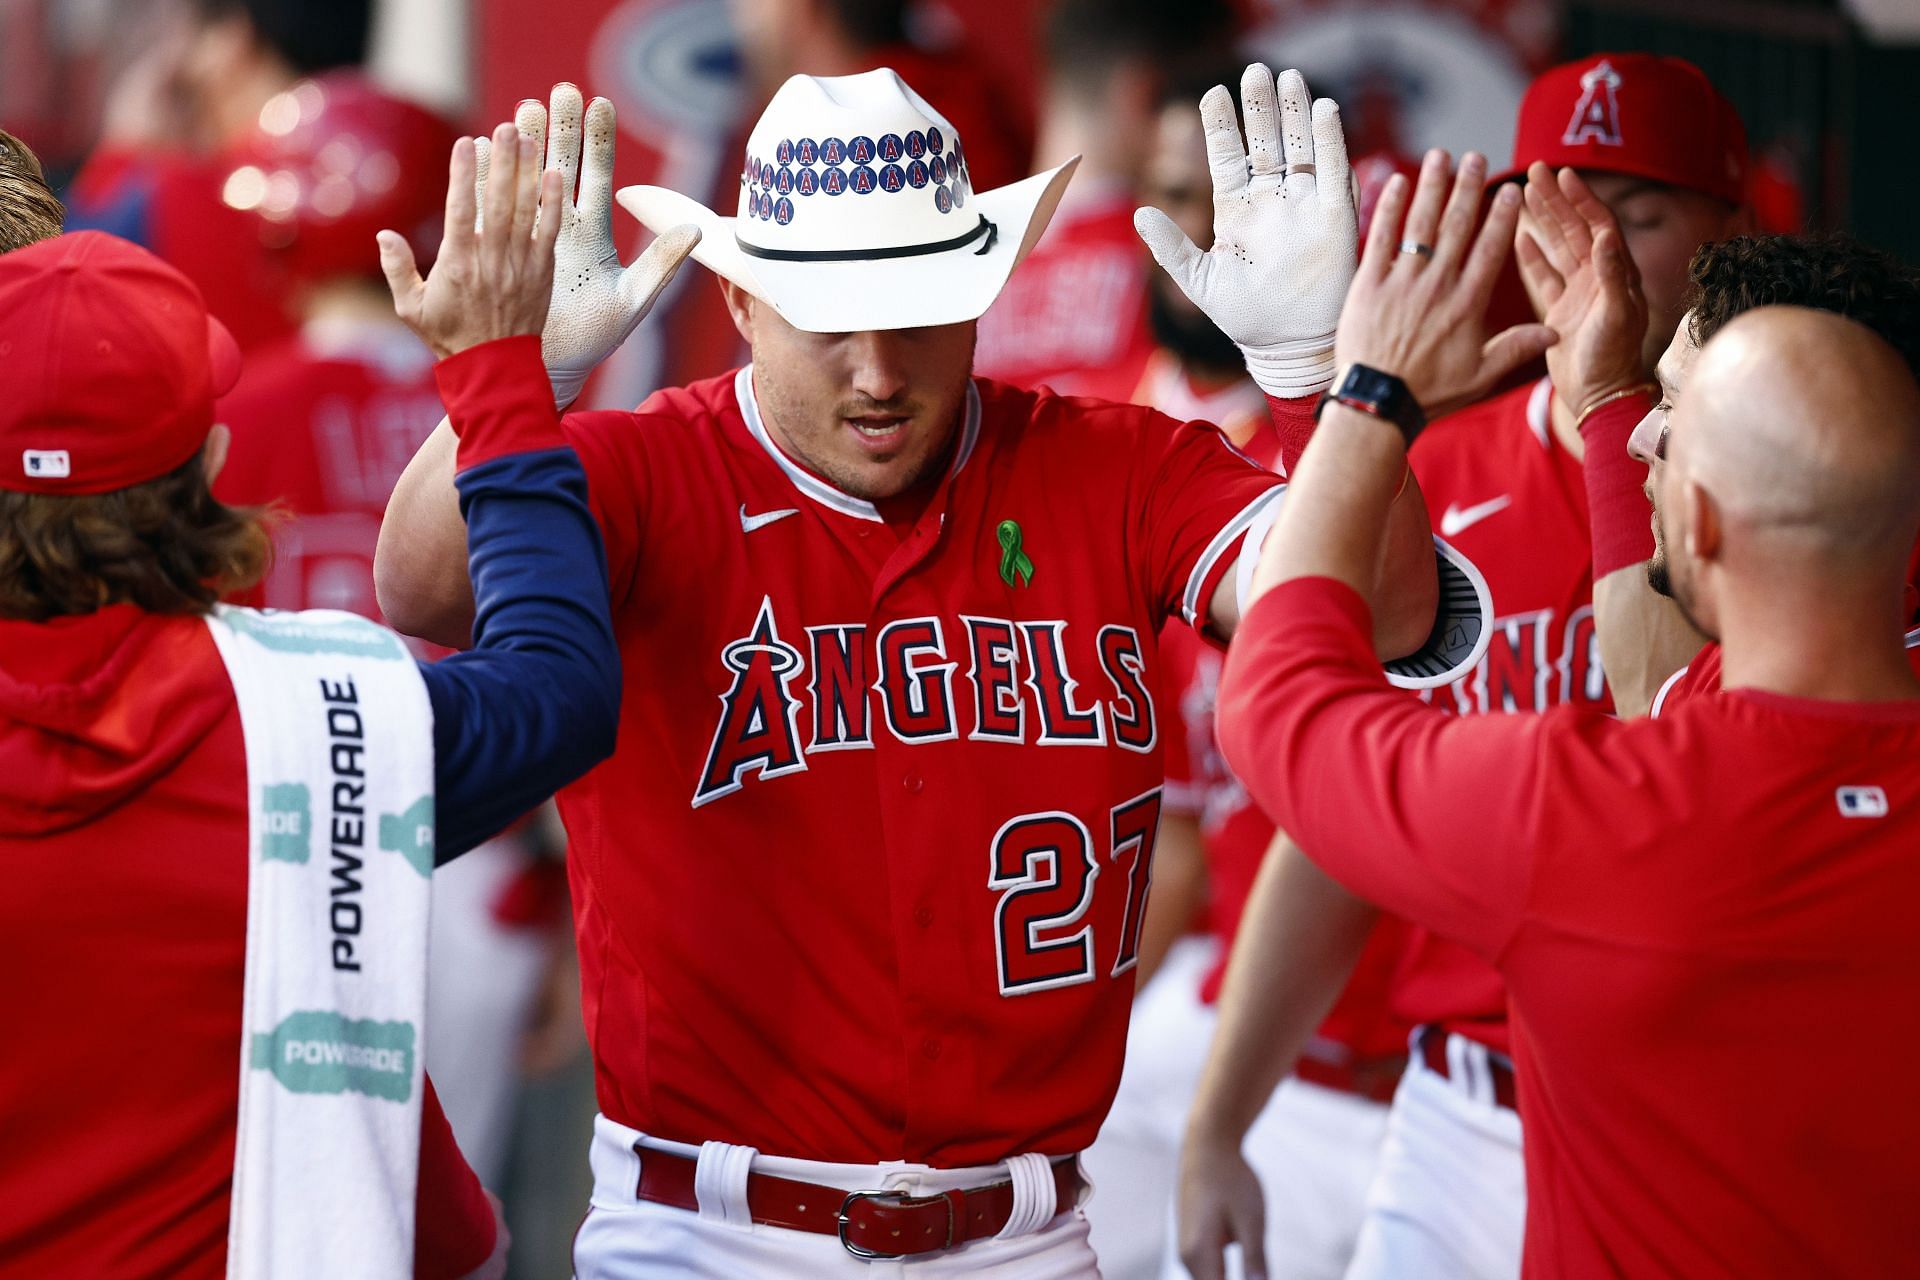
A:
(833, 151)
(784, 152)
(892, 148)
(863, 181)
(834, 181)
(805, 152)
(917, 174)
(783, 211)
(807, 182)
(893, 178)
(860, 151)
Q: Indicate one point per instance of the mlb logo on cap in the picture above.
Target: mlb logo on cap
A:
(1862, 802)
(46, 464)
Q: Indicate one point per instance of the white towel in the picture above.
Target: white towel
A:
(339, 744)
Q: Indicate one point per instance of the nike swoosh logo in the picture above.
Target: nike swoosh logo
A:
(1459, 518)
(749, 523)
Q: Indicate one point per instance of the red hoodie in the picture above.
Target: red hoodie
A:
(123, 825)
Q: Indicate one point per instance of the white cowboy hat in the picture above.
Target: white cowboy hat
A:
(857, 212)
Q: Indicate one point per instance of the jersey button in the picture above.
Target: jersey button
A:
(923, 916)
(913, 782)
(930, 1047)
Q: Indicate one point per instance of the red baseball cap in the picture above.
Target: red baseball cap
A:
(1638, 114)
(113, 365)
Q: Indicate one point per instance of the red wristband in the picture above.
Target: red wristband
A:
(499, 400)
(1293, 421)
(1616, 506)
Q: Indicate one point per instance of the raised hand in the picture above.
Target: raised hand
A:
(1577, 270)
(1418, 305)
(488, 282)
(1284, 231)
(596, 301)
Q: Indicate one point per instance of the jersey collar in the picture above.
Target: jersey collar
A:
(819, 490)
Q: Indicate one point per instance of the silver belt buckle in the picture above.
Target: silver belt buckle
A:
(899, 1197)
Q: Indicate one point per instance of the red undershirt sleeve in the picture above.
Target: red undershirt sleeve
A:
(1616, 504)
(1430, 816)
(1293, 421)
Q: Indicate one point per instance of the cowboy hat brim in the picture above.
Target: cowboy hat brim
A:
(947, 287)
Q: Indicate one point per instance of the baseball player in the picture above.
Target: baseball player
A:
(1505, 479)
(1832, 274)
(859, 896)
(1314, 1145)
(166, 766)
(1673, 981)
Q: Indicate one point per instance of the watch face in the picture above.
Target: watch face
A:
(1369, 384)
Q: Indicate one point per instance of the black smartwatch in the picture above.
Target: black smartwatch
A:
(1379, 394)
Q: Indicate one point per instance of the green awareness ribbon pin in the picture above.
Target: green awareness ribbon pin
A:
(1013, 561)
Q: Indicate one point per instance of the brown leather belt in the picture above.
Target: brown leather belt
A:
(871, 1224)
(1433, 1051)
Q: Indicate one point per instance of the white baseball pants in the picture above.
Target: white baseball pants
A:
(624, 1238)
(1450, 1198)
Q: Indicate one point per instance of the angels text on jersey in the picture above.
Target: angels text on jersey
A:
(798, 691)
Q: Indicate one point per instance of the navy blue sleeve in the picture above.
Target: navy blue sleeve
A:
(534, 704)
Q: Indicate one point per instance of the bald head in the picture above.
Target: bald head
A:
(1803, 429)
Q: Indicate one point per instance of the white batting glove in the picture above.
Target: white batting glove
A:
(1284, 231)
(596, 301)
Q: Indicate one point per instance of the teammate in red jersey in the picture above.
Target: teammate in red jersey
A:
(859, 898)
(1074, 316)
(1673, 981)
(1829, 273)
(151, 858)
(1505, 480)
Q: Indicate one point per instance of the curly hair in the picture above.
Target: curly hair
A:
(29, 211)
(1828, 272)
(167, 546)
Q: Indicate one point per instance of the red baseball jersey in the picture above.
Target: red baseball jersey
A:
(875, 843)
(325, 422)
(1511, 499)
(1073, 316)
(1704, 921)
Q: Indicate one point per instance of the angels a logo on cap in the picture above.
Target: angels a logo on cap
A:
(1596, 117)
(901, 161)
